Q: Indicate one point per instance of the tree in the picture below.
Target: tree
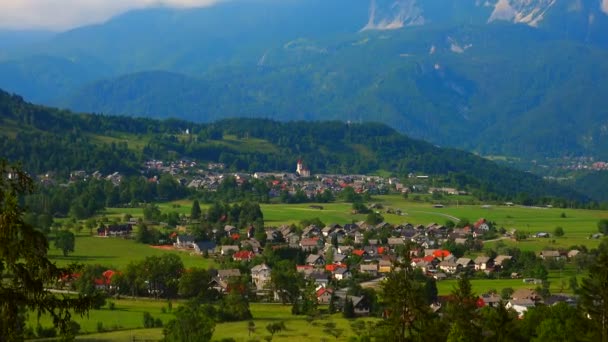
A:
(332, 330)
(461, 312)
(500, 324)
(235, 307)
(559, 231)
(65, 241)
(286, 281)
(602, 226)
(430, 290)
(594, 292)
(193, 283)
(275, 327)
(195, 213)
(349, 308)
(405, 302)
(25, 268)
(192, 323)
(251, 327)
(374, 218)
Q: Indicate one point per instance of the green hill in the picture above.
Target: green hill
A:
(46, 139)
(514, 92)
(525, 82)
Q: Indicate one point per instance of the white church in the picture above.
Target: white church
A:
(301, 170)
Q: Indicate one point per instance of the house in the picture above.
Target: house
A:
(491, 299)
(465, 263)
(105, 281)
(327, 231)
(361, 305)
(228, 249)
(360, 252)
(561, 298)
(260, 276)
(243, 256)
(371, 269)
(345, 249)
(230, 230)
(308, 244)
(501, 259)
(184, 241)
(320, 278)
(324, 295)
(525, 294)
(219, 284)
(482, 263)
(341, 274)
(449, 267)
(311, 231)
(442, 254)
(547, 255)
(204, 246)
(251, 244)
(394, 242)
(542, 235)
(339, 258)
(315, 260)
(228, 273)
(573, 253)
(440, 276)
(115, 230)
(520, 305)
(385, 266)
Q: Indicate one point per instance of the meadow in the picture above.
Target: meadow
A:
(578, 225)
(128, 314)
(117, 253)
(128, 318)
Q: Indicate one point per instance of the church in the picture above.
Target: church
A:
(301, 170)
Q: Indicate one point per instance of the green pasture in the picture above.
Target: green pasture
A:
(128, 317)
(181, 207)
(134, 142)
(578, 224)
(155, 334)
(298, 328)
(118, 252)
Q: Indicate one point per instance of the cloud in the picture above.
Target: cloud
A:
(605, 6)
(66, 14)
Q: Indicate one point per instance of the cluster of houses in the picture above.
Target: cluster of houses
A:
(330, 263)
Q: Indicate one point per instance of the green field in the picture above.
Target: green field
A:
(116, 253)
(128, 316)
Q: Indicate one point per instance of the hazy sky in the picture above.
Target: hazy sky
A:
(65, 14)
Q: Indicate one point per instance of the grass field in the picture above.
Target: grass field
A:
(128, 316)
(117, 253)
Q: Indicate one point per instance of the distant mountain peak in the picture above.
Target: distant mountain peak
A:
(393, 14)
(529, 12)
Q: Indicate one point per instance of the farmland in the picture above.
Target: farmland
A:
(117, 253)
(578, 226)
(128, 316)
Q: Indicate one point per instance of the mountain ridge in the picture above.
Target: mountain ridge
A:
(45, 139)
(455, 78)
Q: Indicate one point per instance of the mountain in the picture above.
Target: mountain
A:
(498, 77)
(45, 139)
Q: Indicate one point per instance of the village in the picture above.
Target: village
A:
(338, 256)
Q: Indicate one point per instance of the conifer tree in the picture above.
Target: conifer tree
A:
(25, 268)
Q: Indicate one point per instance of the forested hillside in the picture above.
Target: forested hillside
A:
(455, 73)
(46, 139)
